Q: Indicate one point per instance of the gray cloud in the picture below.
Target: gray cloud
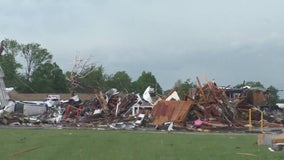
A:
(225, 40)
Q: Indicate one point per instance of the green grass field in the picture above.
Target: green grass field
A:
(55, 144)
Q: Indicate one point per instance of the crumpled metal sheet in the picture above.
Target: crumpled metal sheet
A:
(173, 111)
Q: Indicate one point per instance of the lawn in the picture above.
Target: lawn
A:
(72, 144)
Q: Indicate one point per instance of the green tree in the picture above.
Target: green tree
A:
(280, 101)
(146, 79)
(120, 80)
(10, 66)
(252, 84)
(182, 88)
(273, 96)
(11, 47)
(49, 78)
(34, 56)
(8, 62)
(255, 84)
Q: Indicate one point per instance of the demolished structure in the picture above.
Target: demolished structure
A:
(207, 106)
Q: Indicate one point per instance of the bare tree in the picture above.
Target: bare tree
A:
(81, 69)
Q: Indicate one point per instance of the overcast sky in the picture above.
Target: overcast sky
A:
(226, 40)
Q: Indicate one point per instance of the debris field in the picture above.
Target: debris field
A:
(207, 107)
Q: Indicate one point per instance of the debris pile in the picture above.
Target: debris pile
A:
(207, 106)
(277, 143)
(221, 106)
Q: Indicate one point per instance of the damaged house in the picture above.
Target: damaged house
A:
(213, 106)
(206, 106)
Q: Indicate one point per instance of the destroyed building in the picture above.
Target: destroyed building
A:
(206, 106)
